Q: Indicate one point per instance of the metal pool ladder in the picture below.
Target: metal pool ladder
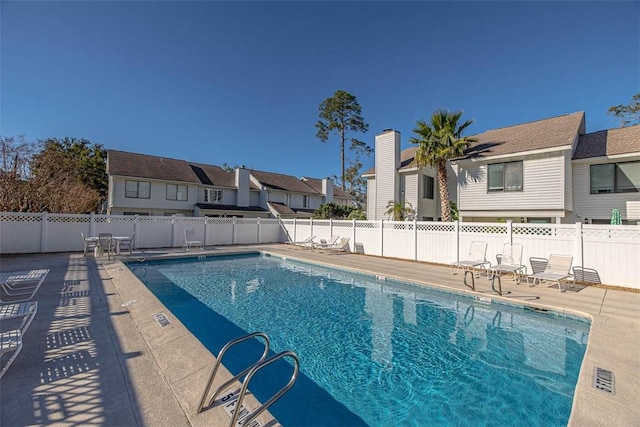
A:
(248, 373)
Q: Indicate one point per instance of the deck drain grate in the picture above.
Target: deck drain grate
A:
(71, 283)
(162, 319)
(604, 380)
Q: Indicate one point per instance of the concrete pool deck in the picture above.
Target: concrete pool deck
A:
(94, 355)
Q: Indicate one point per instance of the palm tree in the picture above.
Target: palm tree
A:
(399, 212)
(440, 141)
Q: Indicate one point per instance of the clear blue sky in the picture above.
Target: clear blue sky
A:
(240, 82)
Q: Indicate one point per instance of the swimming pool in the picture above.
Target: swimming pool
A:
(377, 352)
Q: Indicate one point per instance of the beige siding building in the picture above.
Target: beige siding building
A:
(547, 170)
(140, 184)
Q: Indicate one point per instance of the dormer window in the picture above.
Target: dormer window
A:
(287, 199)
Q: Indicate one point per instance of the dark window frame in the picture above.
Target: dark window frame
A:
(128, 193)
(615, 185)
(177, 186)
(505, 188)
(428, 183)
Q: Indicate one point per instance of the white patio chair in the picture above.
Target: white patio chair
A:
(90, 243)
(510, 261)
(128, 243)
(105, 244)
(477, 258)
(19, 286)
(11, 341)
(558, 268)
(190, 240)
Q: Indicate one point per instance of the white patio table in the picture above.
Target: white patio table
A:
(118, 240)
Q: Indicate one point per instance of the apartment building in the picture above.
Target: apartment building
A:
(547, 170)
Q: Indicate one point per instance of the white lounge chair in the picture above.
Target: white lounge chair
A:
(477, 258)
(538, 264)
(190, 240)
(11, 341)
(585, 275)
(326, 243)
(18, 286)
(340, 246)
(510, 261)
(557, 269)
(306, 243)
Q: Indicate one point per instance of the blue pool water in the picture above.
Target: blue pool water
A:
(377, 352)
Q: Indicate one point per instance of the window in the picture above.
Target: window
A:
(177, 192)
(287, 199)
(305, 201)
(212, 196)
(137, 213)
(505, 176)
(615, 178)
(137, 189)
(427, 218)
(427, 187)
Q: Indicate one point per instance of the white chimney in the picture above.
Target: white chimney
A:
(387, 163)
(242, 187)
(327, 189)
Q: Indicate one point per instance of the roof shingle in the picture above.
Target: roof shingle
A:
(316, 185)
(609, 143)
(553, 132)
(278, 181)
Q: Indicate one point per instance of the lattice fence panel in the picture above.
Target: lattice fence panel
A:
(66, 218)
(219, 221)
(483, 228)
(20, 217)
(436, 226)
(367, 225)
(155, 220)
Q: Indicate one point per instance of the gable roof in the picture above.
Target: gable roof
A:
(609, 142)
(316, 185)
(282, 209)
(144, 166)
(213, 175)
(553, 132)
(153, 167)
(278, 181)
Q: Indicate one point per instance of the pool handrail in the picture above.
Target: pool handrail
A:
(204, 401)
(245, 385)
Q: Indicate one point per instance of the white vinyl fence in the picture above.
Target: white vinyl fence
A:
(33, 233)
(612, 250)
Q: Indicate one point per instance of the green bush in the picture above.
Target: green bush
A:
(336, 211)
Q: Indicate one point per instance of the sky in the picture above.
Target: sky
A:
(240, 82)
